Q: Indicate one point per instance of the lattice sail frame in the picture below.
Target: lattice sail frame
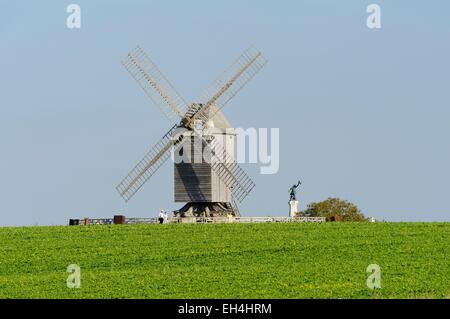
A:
(155, 84)
(229, 171)
(151, 162)
(226, 86)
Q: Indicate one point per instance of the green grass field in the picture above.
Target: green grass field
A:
(272, 260)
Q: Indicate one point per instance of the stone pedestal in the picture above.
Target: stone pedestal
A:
(293, 208)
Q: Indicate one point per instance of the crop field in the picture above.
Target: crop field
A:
(270, 260)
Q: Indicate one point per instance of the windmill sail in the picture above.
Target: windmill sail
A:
(230, 82)
(229, 171)
(155, 84)
(151, 162)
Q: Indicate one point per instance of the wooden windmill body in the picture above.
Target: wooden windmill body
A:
(209, 185)
(197, 184)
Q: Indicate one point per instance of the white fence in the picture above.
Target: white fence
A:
(141, 220)
(267, 219)
(205, 220)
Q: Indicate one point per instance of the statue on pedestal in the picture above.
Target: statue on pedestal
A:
(293, 191)
(293, 202)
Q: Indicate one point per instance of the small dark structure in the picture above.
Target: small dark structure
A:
(118, 219)
(74, 222)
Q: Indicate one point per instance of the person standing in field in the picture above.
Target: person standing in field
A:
(161, 216)
(166, 217)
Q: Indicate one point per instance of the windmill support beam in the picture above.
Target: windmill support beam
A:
(208, 209)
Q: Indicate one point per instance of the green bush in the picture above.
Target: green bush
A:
(335, 207)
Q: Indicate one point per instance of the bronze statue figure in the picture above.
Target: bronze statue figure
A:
(293, 191)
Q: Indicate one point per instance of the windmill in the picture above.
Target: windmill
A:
(209, 187)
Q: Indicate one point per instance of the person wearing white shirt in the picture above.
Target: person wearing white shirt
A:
(161, 216)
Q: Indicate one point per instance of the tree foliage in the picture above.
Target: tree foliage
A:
(332, 207)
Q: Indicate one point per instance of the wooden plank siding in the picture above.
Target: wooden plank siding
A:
(197, 182)
(193, 182)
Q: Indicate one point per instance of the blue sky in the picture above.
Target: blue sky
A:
(363, 114)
